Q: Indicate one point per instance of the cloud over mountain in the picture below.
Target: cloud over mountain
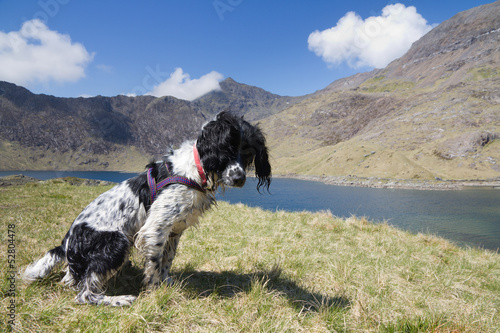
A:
(373, 42)
(36, 54)
(180, 85)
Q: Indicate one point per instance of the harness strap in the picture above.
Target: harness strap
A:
(154, 187)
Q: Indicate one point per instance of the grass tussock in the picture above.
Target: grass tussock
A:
(249, 270)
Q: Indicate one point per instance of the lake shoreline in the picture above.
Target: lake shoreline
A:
(352, 181)
(410, 184)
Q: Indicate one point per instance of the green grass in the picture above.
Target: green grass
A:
(249, 270)
(482, 73)
(17, 157)
(380, 84)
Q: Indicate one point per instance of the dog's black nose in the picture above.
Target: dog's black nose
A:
(239, 182)
(238, 177)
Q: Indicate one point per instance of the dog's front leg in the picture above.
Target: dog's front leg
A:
(169, 254)
(152, 266)
(151, 241)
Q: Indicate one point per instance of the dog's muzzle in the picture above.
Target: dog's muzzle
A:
(234, 176)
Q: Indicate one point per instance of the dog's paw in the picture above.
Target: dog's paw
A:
(125, 300)
(168, 281)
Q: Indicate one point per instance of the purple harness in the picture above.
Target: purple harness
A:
(154, 187)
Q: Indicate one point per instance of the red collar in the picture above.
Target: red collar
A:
(198, 166)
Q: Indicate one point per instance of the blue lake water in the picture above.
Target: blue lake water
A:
(467, 217)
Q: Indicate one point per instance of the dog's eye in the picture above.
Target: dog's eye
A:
(247, 156)
(248, 153)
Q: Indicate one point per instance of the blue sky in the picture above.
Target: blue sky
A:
(71, 48)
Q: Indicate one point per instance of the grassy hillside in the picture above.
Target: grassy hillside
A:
(123, 158)
(387, 128)
(245, 269)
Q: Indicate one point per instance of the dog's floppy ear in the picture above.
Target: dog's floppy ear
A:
(263, 168)
(255, 138)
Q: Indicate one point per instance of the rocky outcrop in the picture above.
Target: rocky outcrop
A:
(464, 144)
(251, 102)
(16, 180)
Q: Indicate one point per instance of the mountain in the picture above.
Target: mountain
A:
(112, 133)
(433, 113)
(252, 102)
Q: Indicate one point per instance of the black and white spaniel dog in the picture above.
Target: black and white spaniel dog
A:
(153, 209)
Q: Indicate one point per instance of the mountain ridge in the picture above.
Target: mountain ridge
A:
(433, 113)
(39, 131)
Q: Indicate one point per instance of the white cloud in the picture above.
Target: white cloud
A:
(36, 54)
(373, 42)
(180, 85)
(105, 68)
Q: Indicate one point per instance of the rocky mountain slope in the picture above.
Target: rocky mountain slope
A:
(433, 113)
(252, 102)
(112, 133)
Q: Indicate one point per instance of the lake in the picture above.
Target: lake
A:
(467, 217)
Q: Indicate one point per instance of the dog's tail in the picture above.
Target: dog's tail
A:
(42, 267)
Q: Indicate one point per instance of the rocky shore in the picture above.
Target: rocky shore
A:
(375, 182)
(14, 180)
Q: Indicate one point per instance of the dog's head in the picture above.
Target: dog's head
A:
(229, 146)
